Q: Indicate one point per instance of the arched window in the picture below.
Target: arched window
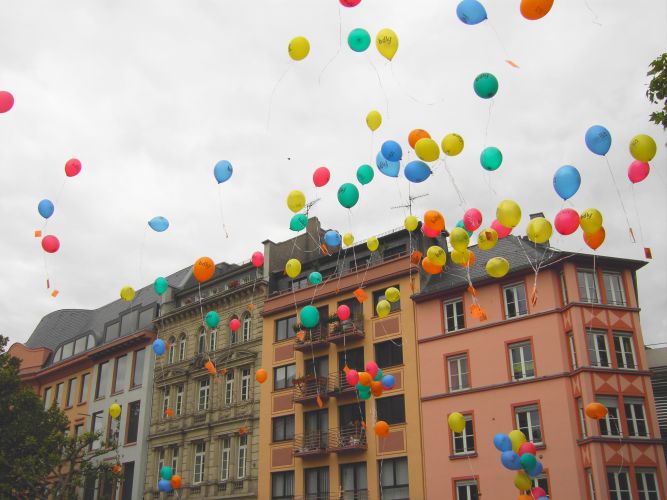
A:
(233, 335)
(172, 349)
(245, 325)
(201, 346)
(214, 339)
(181, 347)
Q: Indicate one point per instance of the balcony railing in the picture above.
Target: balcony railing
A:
(314, 338)
(346, 331)
(347, 440)
(338, 385)
(308, 388)
(311, 444)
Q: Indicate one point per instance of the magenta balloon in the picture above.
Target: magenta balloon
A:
(567, 221)
(500, 229)
(72, 167)
(352, 377)
(638, 171)
(50, 244)
(257, 259)
(6, 101)
(372, 368)
(343, 312)
(429, 233)
(321, 176)
(472, 219)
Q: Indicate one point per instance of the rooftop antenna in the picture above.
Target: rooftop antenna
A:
(410, 202)
(310, 204)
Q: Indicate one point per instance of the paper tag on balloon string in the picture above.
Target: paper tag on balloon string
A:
(38, 234)
(632, 235)
(54, 293)
(647, 253)
(416, 257)
(320, 403)
(48, 283)
(512, 63)
(360, 295)
(533, 296)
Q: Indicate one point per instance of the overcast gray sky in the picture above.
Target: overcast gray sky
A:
(150, 95)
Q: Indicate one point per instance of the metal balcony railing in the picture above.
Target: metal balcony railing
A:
(311, 444)
(338, 385)
(314, 338)
(346, 331)
(347, 439)
(308, 388)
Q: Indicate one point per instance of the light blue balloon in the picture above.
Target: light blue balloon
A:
(388, 168)
(502, 442)
(511, 460)
(537, 470)
(567, 181)
(222, 171)
(158, 224)
(471, 12)
(159, 347)
(164, 485)
(598, 140)
(388, 381)
(417, 171)
(463, 226)
(315, 278)
(332, 238)
(392, 151)
(45, 208)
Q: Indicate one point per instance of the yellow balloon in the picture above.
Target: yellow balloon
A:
(459, 239)
(452, 144)
(487, 239)
(523, 481)
(642, 147)
(374, 120)
(114, 410)
(298, 48)
(436, 255)
(411, 222)
(348, 239)
(539, 230)
(293, 268)
(590, 220)
(508, 213)
(518, 438)
(427, 149)
(383, 308)
(392, 294)
(386, 42)
(127, 293)
(497, 267)
(456, 421)
(372, 243)
(461, 257)
(296, 200)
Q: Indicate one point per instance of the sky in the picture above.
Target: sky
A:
(150, 95)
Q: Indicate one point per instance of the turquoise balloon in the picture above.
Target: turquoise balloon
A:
(378, 377)
(160, 285)
(212, 319)
(365, 393)
(491, 158)
(310, 316)
(348, 195)
(463, 226)
(486, 85)
(166, 473)
(365, 174)
(315, 278)
(359, 39)
(298, 222)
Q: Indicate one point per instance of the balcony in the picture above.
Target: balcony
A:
(348, 440)
(346, 331)
(311, 444)
(339, 387)
(313, 339)
(308, 388)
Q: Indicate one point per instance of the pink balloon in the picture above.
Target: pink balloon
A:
(72, 167)
(352, 377)
(257, 259)
(500, 229)
(343, 312)
(350, 3)
(50, 244)
(472, 219)
(372, 368)
(6, 101)
(567, 221)
(638, 171)
(234, 324)
(321, 176)
(429, 233)
(538, 492)
(528, 448)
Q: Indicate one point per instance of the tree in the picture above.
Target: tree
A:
(657, 89)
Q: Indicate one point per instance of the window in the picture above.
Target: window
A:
(113, 429)
(354, 359)
(466, 490)
(283, 377)
(128, 322)
(133, 422)
(285, 328)
(59, 395)
(138, 368)
(224, 462)
(200, 457)
(172, 350)
(613, 288)
(378, 295)
(528, 422)
(119, 374)
(588, 286)
(316, 429)
(635, 417)
(353, 481)
(563, 288)
(598, 350)
(391, 409)
(464, 442)
(647, 484)
(204, 387)
(214, 339)
(521, 359)
(68, 350)
(610, 425)
(394, 478)
(201, 346)
(246, 327)
(351, 416)
(282, 485)
(541, 481)
(591, 484)
(160, 462)
(619, 484)
(102, 380)
(83, 394)
(165, 401)
(625, 356)
(515, 300)
(389, 353)
(97, 425)
(80, 345)
(582, 417)
(71, 392)
(181, 347)
(283, 428)
(233, 334)
(317, 483)
(317, 367)
(457, 372)
(128, 480)
(229, 387)
(245, 384)
(179, 399)
(174, 459)
(90, 341)
(243, 452)
(454, 316)
(47, 398)
(112, 332)
(78, 430)
(573, 351)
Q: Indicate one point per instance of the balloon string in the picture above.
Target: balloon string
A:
(340, 45)
(502, 45)
(222, 213)
(488, 122)
(639, 220)
(462, 201)
(275, 87)
(141, 255)
(418, 101)
(55, 203)
(618, 192)
(595, 16)
(386, 98)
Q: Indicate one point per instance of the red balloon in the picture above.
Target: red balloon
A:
(528, 447)
(638, 171)
(500, 229)
(6, 101)
(430, 233)
(350, 3)
(72, 167)
(343, 312)
(567, 221)
(372, 368)
(234, 324)
(538, 492)
(321, 176)
(352, 377)
(258, 259)
(472, 219)
(50, 244)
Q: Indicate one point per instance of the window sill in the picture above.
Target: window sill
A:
(460, 456)
(133, 388)
(375, 316)
(456, 391)
(99, 398)
(130, 444)
(523, 379)
(117, 393)
(81, 403)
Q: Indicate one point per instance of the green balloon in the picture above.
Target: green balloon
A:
(486, 85)
(491, 158)
(463, 226)
(348, 195)
(365, 174)
(378, 377)
(212, 320)
(528, 461)
(310, 316)
(298, 222)
(359, 39)
(160, 286)
(365, 394)
(315, 278)
(166, 473)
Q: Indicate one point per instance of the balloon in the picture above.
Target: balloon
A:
(471, 12)
(596, 410)
(382, 428)
(452, 144)
(567, 181)
(590, 220)
(160, 285)
(234, 324)
(434, 221)
(527, 447)
(535, 9)
(298, 48)
(365, 174)
(365, 380)
(166, 472)
(491, 158)
(164, 485)
(298, 222)
(373, 243)
(45, 208)
(637, 171)
(72, 167)
(204, 269)
(528, 461)
(410, 223)
(392, 294)
(510, 460)
(373, 120)
(472, 219)
(222, 171)
(508, 214)
(343, 312)
(415, 135)
(383, 308)
(539, 230)
(485, 85)
(376, 388)
(417, 171)
(127, 293)
(321, 176)
(352, 377)
(315, 278)
(293, 268)
(522, 481)
(595, 239)
(461, 225)
(365, 394)
(436, 255)
(257, 259)
(427, 149)
(159, 347)
(359, 39)
(386, 42)
(598, 140)
(310, 316)
(296, 200)
(391, 150)
(348, 195)
(114, 410)
(456, 421)
(350, 3)
(332, 238)
(6, 101)
(212, 319)
(372, 368)
(388, 381)
(430, 267)
(538, 492)
(536, 471)
(348, 239)
(158, 224)
(388, 168)
(643, 148)
(459, 239)
(566, 221)
(500, 230)
(502, 442)
(430, 233)
(518, 438)
(497, 267)
(176, 481)
(487, 239)
(261, 375)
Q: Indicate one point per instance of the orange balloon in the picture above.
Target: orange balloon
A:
(434, 221)
(471, 259)
(382, 428)
(430, 267)
(596, 239)
(203, 269)
(261, 375)
(596, 410)
(169, 412)
(365, 379)
(176, 481)
(417, 134)
(535, 9)
(376, 388)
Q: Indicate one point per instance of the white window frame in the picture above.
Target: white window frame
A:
(204, 393)
(615, 492)
(214, 340)
(594, 351)
(573, 350)
(624, 337)
(462, 437)
(563, 289)
(182, 345)
(199, 463)
(632, 418)
(613, 414)
(588, 275)
(165, 400)
(229, 387)
(247, 323)
(201, 340)
(529, 420)
(245, 384)
(467, 485)
(523, 362)
(225, 445)
(243, 455)
(582, 417)
(179, 399)
(172, 351)
(174, 459)
(453, 303)
(160, 462)
(642, 484)
(591, 483)
(456, 381)
(617, 295)
(513, 288)
(542, 477)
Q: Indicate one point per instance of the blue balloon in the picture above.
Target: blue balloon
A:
(392, 151)
(417, 171)
(471, 12)
(158, 224)
(463, 226)
(164, 485)
(510, 460)
(567, 181)
(159, 347)
(222, 171)
(388, 381)
(332, 238)
(45, 208)
(598, 140)
(388, 168)
(537, 470)
(502, 442)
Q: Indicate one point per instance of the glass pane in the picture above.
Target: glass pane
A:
(138, 367)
